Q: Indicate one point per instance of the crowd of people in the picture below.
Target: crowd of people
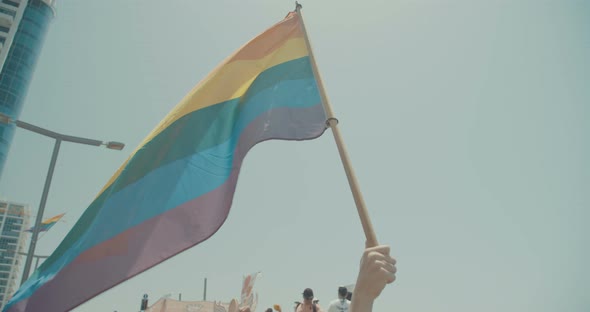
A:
(377, 269)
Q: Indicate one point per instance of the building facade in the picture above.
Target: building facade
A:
(23, 25)
(14, 219)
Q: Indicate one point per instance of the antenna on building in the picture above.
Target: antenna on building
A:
(144, 303)
(205, 290)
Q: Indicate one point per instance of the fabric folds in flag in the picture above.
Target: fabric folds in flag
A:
(175, 190)
(47, 224)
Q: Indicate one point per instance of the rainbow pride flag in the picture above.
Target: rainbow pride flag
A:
(177, 187)
(47, 224)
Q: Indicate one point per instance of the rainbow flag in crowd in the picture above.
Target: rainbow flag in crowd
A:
(177, 187)
(47, 224)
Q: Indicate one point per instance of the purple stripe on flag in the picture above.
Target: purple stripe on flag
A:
(172, 232)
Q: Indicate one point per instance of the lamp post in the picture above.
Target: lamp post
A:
(37, 257)
(58, 139)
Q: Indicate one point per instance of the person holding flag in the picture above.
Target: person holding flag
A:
(176, 188)
(377, 269)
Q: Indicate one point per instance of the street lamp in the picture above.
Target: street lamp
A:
(58, 139)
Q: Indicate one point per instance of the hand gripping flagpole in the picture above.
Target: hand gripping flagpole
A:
(332, 122)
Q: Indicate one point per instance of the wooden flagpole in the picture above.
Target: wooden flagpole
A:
(332, 122)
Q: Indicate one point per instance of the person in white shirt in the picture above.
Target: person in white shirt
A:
(341, 304)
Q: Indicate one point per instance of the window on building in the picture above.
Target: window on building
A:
(8, 11)
(14, 4)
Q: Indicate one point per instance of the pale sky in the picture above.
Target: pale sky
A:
(466, 122)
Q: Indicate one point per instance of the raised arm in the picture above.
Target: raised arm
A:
(377, 269)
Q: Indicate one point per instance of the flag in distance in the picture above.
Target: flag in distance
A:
(175, 190)
(47, 224)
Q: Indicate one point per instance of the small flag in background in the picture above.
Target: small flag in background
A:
(176, 188)
(47, 224)
(248, 298)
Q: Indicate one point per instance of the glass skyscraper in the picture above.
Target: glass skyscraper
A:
(14, 219)
(23, 25)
